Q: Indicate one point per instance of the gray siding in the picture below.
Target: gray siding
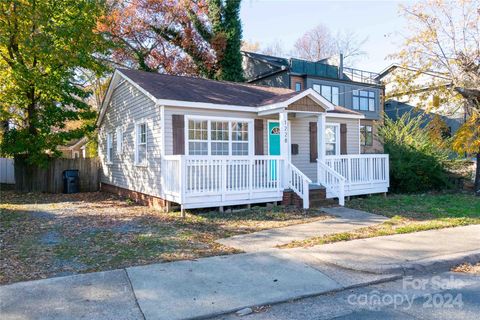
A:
(127, 107)
(300, 134)
(346, 94)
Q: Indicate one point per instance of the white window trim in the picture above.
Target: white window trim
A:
(119, 140)
(337, 136)
(230, 141)
(137, 125)
(109, 138)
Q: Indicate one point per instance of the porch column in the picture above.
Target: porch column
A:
(284, 152)
(321, 123)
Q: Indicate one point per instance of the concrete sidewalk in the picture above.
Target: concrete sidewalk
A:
(216, 285)
(402, 253)
(345, 220)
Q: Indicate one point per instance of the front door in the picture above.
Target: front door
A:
(273, 138)
(273, 146)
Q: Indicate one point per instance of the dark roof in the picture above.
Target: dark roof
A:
(191, 89)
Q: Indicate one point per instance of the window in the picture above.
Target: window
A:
(76, 154)
(218, 137)
(366, 135)
(298, 86)
(331, 93)
(109, 147)
(198, 137)
(332, 140)
(239, 138)
(364, 100)
(141, 144)
(119, 140)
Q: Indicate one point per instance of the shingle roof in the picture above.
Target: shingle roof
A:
(191, 89)
(179, 88)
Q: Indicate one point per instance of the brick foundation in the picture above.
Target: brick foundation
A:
(317, 197)
(290, 198)
(141, 198)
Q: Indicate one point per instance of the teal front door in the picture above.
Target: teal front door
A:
(273, 146)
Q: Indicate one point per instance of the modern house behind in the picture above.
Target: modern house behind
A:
(354, 89)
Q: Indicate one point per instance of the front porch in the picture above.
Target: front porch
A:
(254, 158)
(210, 181)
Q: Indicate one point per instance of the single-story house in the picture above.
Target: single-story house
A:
(199, 143)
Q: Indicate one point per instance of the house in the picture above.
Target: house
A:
(74, 149)
(416, 102)
(198, 143)
(353, 89)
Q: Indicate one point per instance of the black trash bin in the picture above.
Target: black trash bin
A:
(71, 181)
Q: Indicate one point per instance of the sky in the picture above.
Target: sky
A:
(265, 21)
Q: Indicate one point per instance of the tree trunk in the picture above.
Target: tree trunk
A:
(477, 176)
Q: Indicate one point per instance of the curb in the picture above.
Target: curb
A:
(438, 263)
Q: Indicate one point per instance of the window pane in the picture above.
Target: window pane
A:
(371, 104)
(239, 131)
(298, 86)
(142, 153)
(197, 130)
(363, 93)
(363, 103)
(355, 92)
(369, 136)
(197, 148)
(316, 87)
(362, 135)
(219, 148)
(330, 149)
(335, 95)
(330, 134)
(327, 92)
(219, 130)
(239, 149)
(143, 133)
(356, 104)
(371, 94)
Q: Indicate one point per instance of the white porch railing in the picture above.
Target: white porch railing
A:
(363, 173)
(219, 180)
(299, 183)
(332, 181)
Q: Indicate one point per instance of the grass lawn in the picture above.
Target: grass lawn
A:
(44, 235)
(408, 213)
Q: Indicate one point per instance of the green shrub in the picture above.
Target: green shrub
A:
(417, 159)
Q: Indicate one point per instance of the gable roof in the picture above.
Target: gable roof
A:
(182, 91)
(170, 87)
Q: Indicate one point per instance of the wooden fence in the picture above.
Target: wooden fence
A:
(50, 178)
(7, 174)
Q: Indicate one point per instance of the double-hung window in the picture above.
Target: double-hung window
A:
(364, 100)
(332, 139)
(141, 144)
(109, 147)
(217, 137)
(366, 135)
(331, 93)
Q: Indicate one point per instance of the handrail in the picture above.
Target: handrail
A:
(299, 183)
(332, 181)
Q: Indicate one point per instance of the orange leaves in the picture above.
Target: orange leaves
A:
(467, 138)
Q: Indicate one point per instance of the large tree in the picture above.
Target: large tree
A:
(178, 37)
(319, 43)
(444, 37)
(43, 44)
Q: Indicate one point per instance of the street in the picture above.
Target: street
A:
(445, 295)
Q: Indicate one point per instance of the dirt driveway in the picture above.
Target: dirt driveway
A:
(45, 235)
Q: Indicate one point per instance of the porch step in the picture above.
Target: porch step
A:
(317, 195)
